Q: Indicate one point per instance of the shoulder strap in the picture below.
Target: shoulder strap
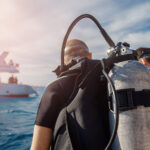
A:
(76, 68)
(74, 65)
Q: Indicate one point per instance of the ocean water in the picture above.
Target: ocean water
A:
(17, 116)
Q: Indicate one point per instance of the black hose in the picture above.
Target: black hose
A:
(105, 35)
(116, 111)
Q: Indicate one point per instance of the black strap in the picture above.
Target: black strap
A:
(109, 62)
(130, 99)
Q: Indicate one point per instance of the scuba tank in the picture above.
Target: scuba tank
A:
(132, 83)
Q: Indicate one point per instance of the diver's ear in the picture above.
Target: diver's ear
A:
(90, 55)
(143, 61)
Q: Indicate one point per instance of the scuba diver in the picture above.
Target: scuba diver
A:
(144, 56)
(55, 96)
(95, 104)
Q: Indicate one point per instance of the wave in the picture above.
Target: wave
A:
(16, 111)
(15, 141)
(17, 116)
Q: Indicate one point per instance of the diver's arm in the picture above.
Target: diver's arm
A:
(41, 138)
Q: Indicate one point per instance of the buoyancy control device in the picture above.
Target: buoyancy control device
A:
(82, 122)
(128, 99)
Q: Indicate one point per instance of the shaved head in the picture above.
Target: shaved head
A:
(76, 48)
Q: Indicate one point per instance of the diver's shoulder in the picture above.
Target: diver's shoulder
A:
(61, 81)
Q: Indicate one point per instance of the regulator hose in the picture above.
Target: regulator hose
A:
(116, 111)
(103, 32)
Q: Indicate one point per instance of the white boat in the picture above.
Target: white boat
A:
(12, 88)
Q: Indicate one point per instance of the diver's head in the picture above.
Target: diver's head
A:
(75, 48)
(144, 56)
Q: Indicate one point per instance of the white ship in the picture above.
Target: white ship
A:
(12, 88)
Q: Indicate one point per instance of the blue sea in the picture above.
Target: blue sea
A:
(17, 116)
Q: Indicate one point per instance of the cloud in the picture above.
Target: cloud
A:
(32, 31)
(139, 39)
(132, 17)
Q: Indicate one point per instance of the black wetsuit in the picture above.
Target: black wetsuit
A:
(55, 96)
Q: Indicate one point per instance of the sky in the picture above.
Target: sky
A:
(32, 31)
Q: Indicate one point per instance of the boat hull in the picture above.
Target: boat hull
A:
(16, 90)
(14, 95)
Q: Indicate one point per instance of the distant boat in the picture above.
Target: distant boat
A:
(12, 88)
